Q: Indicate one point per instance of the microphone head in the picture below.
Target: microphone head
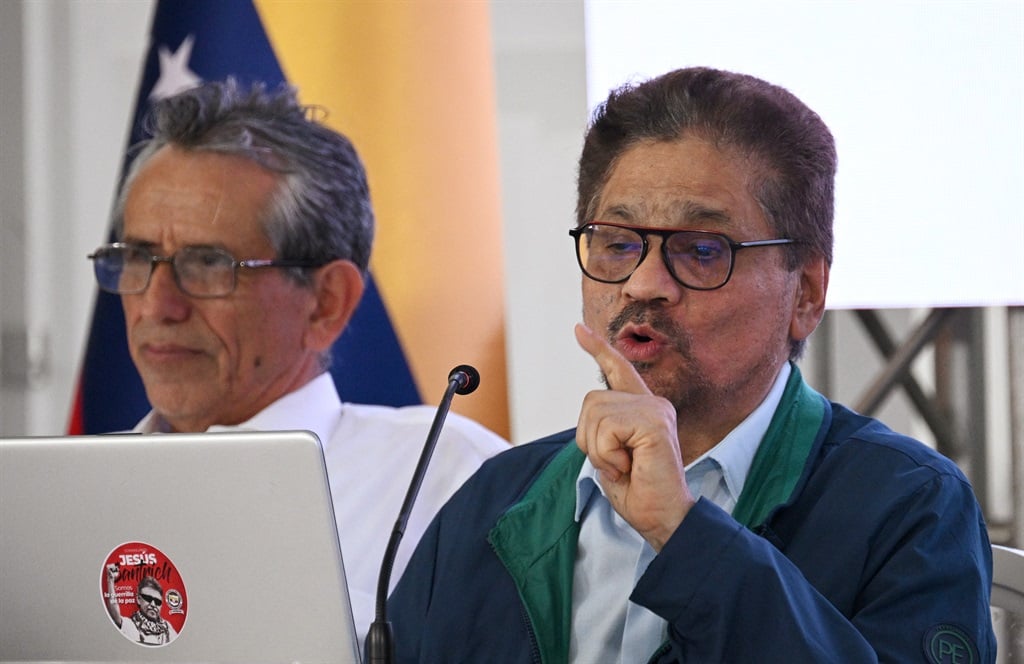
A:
(467, 377)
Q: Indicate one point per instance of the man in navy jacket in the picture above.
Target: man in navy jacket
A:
(709, 506)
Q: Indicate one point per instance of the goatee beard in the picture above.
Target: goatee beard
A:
(685, 389)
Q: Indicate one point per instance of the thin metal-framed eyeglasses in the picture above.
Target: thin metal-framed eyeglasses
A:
(205, 272)
(699, 260)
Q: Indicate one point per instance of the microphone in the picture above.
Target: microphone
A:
(467, 377)
(380, 645)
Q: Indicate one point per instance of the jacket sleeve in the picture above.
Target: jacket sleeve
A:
(919, 594)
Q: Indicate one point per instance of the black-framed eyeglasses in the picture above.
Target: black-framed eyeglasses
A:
(700, 260)
(152, 599)
(125, 269)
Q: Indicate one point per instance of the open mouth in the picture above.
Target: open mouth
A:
(640, 334)
(639, 343)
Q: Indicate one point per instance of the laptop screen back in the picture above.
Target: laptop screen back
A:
(204, 547)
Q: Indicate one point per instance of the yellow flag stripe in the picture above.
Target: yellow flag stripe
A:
(412, 85)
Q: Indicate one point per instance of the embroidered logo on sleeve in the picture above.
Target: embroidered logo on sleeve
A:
(949, 644)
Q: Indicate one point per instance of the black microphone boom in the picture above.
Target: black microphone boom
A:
(380, 645)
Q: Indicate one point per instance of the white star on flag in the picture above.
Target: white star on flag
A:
(175, 75)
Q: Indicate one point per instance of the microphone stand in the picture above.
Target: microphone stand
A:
(380, 645)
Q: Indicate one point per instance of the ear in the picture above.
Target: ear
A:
(809, 300)
(338, 287)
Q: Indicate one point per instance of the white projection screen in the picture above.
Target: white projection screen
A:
(926, 102)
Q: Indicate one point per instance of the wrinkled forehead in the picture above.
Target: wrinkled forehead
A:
(184, 197)
(686, 183)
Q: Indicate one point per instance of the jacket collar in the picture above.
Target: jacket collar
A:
(536, 537)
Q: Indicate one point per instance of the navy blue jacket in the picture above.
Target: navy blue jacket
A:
(879, 554)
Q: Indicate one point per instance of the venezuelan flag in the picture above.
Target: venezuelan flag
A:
(411, 83)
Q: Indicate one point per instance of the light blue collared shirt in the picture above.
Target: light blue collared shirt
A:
(611, 556)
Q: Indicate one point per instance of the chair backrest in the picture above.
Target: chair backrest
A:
(1008, 602)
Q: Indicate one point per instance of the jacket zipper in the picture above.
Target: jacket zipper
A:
(534, 648)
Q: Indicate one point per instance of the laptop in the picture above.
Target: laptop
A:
(218, 547)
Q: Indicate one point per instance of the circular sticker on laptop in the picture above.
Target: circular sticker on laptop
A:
(144, 594)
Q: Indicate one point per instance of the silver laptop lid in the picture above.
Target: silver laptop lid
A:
(218, 547)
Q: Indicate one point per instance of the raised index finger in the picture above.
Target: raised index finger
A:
(621, 375)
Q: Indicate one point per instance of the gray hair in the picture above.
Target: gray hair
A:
(320, 213)
(792, 147)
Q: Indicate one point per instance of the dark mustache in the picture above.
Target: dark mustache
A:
(643, 313)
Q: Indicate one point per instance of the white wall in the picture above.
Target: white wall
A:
(70, 94)
(926, 103)
(541, 75)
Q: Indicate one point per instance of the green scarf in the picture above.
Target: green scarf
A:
(536, 538)
(780, 458)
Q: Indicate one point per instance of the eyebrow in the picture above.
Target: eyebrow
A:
(691, 212)
(150, 245)
(622, 212)
(688, 213)
(138, 242)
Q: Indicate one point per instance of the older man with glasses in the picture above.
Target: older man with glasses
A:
(709, 506)
(244, 234)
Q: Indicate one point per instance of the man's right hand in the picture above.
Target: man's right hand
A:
(630, 436)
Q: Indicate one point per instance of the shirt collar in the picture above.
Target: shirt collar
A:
(586, 485)
(313, 407)
(734, 454)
